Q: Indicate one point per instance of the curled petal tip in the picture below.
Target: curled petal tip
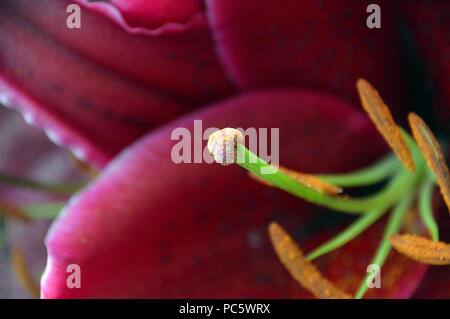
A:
(223, 144)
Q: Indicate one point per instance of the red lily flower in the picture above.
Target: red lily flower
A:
(200, 231)
(150, 228)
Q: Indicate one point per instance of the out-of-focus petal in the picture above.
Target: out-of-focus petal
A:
(98, 88)
(150, 228)
(318, 44)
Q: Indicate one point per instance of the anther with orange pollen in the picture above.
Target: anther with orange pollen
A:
(418, 165)
(300, 268)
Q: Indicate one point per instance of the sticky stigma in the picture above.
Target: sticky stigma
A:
(223, 144)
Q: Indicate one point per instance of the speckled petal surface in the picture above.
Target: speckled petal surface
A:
(319, 44)
(150, 228)
(98, 88)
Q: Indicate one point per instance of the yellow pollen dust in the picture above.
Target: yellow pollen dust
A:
(309, 180)
(432, 151)
(22, 273)
(303, 271)
(381, 116)
(422, 249)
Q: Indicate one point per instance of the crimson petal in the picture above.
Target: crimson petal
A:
(100, 87)
(320, 44)
(150, 228)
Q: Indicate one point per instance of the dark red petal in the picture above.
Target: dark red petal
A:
(155, 13)
(430, 23)
(100, 87)
(319, 44)
(435, 284)
(150, 228)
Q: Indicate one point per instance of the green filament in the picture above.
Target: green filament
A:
(367, 176)
(384, 248)
(397, 188)
(347, 234)
(425, 208)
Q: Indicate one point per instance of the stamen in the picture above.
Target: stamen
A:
(422, 249)
(12, 211)
(309, 180)
(300, 269)
(431, 150)
(223, 144)
(22, 273)
(380, 115)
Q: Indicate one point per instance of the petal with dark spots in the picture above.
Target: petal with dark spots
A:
(150, 228)
(98, 88)
(318, 44)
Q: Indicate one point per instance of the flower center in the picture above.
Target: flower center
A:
(411, 170)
